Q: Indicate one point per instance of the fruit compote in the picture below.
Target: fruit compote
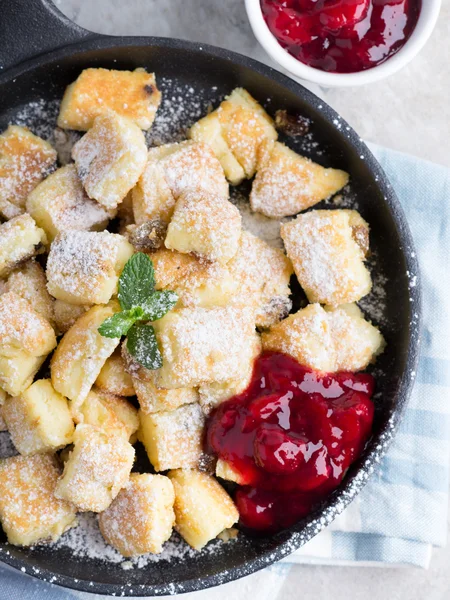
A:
(291, 436)
(341, 36)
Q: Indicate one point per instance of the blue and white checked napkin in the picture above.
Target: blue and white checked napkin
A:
(402, 512)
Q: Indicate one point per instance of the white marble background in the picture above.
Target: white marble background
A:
(410, 112)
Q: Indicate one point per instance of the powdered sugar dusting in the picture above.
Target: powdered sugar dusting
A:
(80, 263)
(180, 108)
(327, 260)
(39, 116)
(87, 541)
(215, 344)
(287, 183)
(209, 226)
(97, 468)
(264, 227)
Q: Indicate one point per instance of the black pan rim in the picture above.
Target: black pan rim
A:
(306, 529)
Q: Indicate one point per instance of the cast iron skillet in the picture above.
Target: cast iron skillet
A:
(40, 53)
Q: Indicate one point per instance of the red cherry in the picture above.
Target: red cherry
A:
(353, 413)
(277, 452)
(256, 508)
(222, 422)
(273, 408)
(309, 5)
(292, 27)
(286, 3)
(293, 507)
(315, 412)
(384, 2)
(343, 36)
(263, 407)
(359, 382)
(342, 13)
(315, 471)
(229, 418)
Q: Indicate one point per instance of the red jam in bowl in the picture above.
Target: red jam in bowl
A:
(341, 36)
(291, 436)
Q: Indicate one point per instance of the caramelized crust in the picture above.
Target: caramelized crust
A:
(20, 239)
(172, 267)
(306, 336)
(110, 158)
(66, 314)
(39, 419)
(110, 412)
(60, 203)
(203, 509)
(29, 282)
(141, 518)
(131, 94)
(245, 125)
(330, 340)
(81, 354)
(23, 329)
(29, 511)
(208, 226)
(197, 281)
(97, 469)
(83, 267)
(25, 160)
(173, 170)
(287, 183)
(235, 131)
(173, 439)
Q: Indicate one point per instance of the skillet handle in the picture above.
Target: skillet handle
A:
(32, 27)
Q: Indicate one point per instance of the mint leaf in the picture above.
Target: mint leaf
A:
(143, 346)
(117, 325)
(158, 304)
(137, 281)
(140, 302)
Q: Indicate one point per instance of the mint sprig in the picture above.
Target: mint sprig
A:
(137, 281)
(143, 346)
(140, 303)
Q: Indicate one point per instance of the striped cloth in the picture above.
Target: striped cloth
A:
(402, 512)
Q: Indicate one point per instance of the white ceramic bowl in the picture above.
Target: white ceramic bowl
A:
(427, 20)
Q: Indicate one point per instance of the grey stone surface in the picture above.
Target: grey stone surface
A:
(410, 112)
